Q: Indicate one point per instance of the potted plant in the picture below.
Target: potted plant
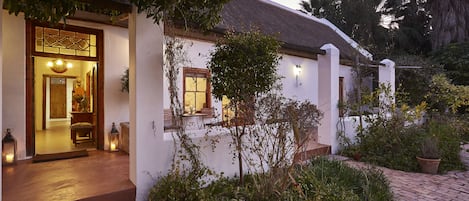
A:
(429, 158)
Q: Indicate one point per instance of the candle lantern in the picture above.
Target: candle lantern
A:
(8, 149)
(114, 138)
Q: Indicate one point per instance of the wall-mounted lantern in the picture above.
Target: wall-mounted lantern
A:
(8, 149)
(297, 74)
(114, 138)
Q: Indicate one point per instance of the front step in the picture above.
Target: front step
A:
(121, 195)
(312, 150)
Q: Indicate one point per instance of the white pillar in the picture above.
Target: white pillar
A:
(1, 91)
(149, 155)
(328, 95)
(387, 76)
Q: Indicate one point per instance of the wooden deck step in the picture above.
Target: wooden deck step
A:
(312, 150)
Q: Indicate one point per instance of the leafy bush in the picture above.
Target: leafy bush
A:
(393, 137)
(176, 186)
(332, 180)
(320, 180)
(448, 142)
(396, 147)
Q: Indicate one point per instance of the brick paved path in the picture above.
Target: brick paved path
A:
(408, 186)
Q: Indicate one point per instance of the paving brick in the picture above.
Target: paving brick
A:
(408, 186)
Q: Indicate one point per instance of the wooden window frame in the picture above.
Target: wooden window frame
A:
(208, 91)
(341, 97)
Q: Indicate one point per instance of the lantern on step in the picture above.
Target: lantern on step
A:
(8, 149)
(114, 138)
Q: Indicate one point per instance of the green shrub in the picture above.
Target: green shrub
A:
(177, 186)
(449, 144)
(332, 180)
(320, 180)
(397, 146)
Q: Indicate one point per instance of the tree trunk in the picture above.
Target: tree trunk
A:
(240, 162)
(450, 22)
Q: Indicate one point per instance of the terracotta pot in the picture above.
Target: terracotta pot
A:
(429, 166)
(357, 156)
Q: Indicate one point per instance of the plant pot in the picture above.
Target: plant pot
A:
(429, 166)
(357, 156)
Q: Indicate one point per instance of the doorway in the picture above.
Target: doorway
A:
(59, 98)
(50, 99)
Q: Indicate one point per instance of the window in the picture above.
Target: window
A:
(341, 97)
(197, 94)
(56, 41)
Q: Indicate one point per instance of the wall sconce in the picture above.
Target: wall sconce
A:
(297, 74)
(8, 149)
(59, 65)
(114, 138)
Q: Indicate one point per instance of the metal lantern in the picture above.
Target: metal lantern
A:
(8, 149)
(114, 138)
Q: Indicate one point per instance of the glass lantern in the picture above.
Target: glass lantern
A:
(114, 138)
(8, 149)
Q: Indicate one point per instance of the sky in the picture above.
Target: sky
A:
(295, 4)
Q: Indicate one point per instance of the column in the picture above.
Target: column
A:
(328, 95)
(387, 76)
(149, 155)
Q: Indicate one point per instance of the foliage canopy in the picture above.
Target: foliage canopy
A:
(201, 13)
(244, 65)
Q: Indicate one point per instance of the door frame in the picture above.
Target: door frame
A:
(30, 53)
(44, 85)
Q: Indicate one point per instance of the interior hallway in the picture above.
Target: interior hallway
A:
(56, 139)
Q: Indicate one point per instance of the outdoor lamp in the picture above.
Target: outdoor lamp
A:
(59, 65)
(114, 138)
(297, 74)
(8, 149)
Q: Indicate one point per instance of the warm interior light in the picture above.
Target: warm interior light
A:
(59, 62)
(9, 158)
(113, 147)
(59, 65)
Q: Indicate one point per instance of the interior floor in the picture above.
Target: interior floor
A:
(56, 139)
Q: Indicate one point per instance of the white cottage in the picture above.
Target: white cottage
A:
(40, 95)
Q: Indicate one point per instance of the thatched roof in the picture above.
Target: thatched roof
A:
(292, 27)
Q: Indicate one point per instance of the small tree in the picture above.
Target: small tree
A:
(243, 66)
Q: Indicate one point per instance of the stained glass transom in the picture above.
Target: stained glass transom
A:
(56, 41)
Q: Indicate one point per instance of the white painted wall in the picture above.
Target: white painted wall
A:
(14, 76)
(150, 155)
(347, 74)
(116, 60)
(198, 53)
(307, 88)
